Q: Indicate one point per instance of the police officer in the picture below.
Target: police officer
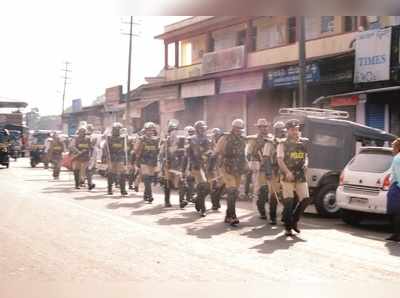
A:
(217, 185)
(231, 149)
(292, 160)
(198, 153)
(93, 154)
(147, 152)
(81, 148)
(254, 151)
(133, 171)
(117, 147)
(55, 152)
(171, 156)
(270, 167)
(188, 178)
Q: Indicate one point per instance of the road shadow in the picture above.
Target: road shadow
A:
(264, 230)
(393, 248)
(187, 217)
(157, 209)
(218, 228)
(116, 205)
(96, 197)
(281, 242)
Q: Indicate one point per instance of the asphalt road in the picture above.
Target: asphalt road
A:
(52, 232)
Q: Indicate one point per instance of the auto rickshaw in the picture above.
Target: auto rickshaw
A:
(38, 152)
(4, 145)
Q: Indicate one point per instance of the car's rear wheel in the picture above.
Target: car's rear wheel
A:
(351, 217)
(325, 201)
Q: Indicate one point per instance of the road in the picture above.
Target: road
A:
(52, 232)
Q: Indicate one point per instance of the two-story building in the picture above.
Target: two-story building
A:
(221, 68)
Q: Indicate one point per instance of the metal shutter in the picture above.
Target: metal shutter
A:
(375, 115)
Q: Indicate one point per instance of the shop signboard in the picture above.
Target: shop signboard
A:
(76, 105)
(372, 59)
(344, 101)
(289, 76)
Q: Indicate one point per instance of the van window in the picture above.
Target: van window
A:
(374, 161)
(327, 140)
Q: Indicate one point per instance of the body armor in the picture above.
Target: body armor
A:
(295, 158)
(199, 147)
(150, 151)
(117, 148)
(84, 146)
(234, 155)
(57, 149)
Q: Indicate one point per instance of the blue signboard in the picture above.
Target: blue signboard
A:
(289, 76)
(72, 125)
(76, 105)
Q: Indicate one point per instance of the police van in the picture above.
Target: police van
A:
(333, 141)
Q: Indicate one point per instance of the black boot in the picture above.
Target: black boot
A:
(216, 197)
(262, 198)
(122, 184)
(273, 203)
(298, 212)
(167, 193)
(182, 192)
(91, 185)
(288, 205)
(190, 190)
(109, 183)
(396, 227)
(77, 178)
(231, 217)
(148, 196)
(131, 178)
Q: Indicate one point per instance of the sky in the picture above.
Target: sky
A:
(34, 47)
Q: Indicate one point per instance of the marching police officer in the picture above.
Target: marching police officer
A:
(217, 185)
(231, 149)
(117, 153)
(133, 173)
(254, 151)
(147, 152)
(171, 156)
(81, 148)
(198, 153)
(93, 154)
(270, 167)
(292, 160)
(188, 178)
(55, 152)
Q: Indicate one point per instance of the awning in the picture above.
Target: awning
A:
(321, 99)
(137, 106)
(244, 82)
(198, 89)
(12, 103)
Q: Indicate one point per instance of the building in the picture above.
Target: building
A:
(222, 68)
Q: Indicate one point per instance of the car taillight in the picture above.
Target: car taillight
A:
(386, 182)
(341, 179)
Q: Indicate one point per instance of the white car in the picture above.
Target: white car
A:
(364, 184)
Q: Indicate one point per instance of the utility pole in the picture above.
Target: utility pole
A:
(65, 77)
(302, 60)
(128, 89)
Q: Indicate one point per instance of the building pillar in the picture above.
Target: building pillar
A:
(176, 54)
(387, 118)
(165, 55)
(360, 109)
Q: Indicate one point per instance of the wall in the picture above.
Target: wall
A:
(194, 111)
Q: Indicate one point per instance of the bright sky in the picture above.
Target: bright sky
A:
(34, 47)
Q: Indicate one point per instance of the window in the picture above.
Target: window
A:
(292, 29)
(171, 55)
(241, 38)
(313, 27)
(327, 140)
(327, 24)
(350, 23)
(270, 36)
(192, 50)
(374, 161)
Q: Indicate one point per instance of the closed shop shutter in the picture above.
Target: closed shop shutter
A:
(375, 115)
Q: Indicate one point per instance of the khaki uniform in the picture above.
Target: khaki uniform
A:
(147, 151)
(118, 163)
(294, 155)
(81, 149)
(199, 152)
(231, 149)
(55, 152)
(172, 159)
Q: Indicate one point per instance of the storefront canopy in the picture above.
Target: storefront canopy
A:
(12, 103)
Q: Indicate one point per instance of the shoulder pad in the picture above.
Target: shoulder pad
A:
(251, 137)
(278, 140)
